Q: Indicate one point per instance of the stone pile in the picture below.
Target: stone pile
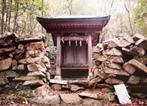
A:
(116, 61)
(23, 60)
(122, 60)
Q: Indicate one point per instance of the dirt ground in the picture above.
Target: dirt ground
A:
(11, 99)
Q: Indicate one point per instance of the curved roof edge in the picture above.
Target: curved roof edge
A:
(94, 23)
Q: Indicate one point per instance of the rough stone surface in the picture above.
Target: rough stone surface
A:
(43, 90)
(107, 95)
(115, 72)
(114, 66)
(56, 87)
(92, 102)
(36, 73)
(70, 98)
(75, 88)
(129, 68)
(46, 100)
(134, 80)
(138, 65)
(5, 64)
(32, 67)
(25, 78)
(113, 81)
(99, 57)
(3, 81)
(36, 67)
(112, 52)
(33, 82)
(35, 46)
(21, 67)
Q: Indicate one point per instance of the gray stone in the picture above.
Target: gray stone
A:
(36, 67)
(35, 46)
(112, 52)
(32, 67)
(33, 82)
(138, 65)
(21, 67)
(57, 87)
(75, 88)
(43, 90)
(139, 95)
(98, 95)
(30, 60)
(14, 64)
(45, 59)
(4, 75)
(50, 99)
(10, 74)
(71, 98)
(25, 78)
(93, 102)
(3, 81)
(133, 80)
(36, 73)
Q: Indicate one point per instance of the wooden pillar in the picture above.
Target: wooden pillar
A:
(90, 55)
(58, 58)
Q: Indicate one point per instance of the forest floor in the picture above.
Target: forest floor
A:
(10, 98)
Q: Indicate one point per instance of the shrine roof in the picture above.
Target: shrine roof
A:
(73, 23)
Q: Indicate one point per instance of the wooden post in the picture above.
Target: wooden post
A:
(90, 55)
(58, 58)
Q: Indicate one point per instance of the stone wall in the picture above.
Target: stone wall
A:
(23, 60)
(122, 60)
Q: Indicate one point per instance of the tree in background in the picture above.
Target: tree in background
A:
(69, 7)
(140, 14)
(20, 15)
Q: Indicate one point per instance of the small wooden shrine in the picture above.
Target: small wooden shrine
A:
(74, 38)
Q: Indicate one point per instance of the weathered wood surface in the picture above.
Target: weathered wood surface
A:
(74, 55)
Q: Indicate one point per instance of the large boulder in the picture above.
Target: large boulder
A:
(71, 98)
(43, 90)
(46, 100)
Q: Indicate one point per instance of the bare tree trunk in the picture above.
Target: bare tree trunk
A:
(16, 15)
(9, 17)
(70, 6)
(3, 3)
(42, 13)
(7, 14)
(111, 7)
(129, 18)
